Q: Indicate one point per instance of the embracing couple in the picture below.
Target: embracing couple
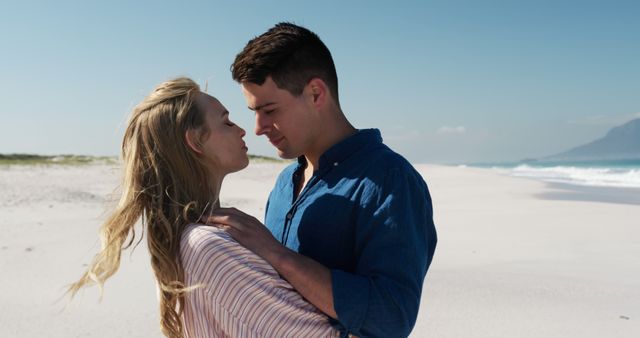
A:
(348, 234)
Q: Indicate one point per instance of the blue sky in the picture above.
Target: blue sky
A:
(445, 81)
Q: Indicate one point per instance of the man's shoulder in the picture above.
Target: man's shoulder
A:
(378, 171)
(384, 161)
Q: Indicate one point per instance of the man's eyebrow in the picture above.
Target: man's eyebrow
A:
(261, 106)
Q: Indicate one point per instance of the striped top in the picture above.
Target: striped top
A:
(242, 295)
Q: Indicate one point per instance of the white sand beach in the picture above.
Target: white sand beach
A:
(515, 258)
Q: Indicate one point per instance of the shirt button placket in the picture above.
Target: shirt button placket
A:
(287, 227)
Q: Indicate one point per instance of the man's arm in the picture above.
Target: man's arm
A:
(394, 243)
(310, 278)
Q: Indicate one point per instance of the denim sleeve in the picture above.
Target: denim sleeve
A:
(395, 242)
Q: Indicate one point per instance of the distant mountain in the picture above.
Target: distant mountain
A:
(622, 142)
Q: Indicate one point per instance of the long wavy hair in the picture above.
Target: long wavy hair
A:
(166, 185)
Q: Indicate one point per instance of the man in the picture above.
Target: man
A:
(349, 225)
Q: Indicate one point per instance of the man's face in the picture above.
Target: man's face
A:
(286, 120)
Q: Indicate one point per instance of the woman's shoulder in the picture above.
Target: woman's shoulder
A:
(202, 241)
(195, 232)
(209, 253)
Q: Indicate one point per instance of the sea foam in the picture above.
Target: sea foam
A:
(587, 176)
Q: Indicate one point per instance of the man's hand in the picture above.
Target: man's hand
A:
(248, 231)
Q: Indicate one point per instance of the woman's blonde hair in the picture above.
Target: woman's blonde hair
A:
(167, 185)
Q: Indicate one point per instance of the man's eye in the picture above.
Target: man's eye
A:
(267, 112)
(229, 123)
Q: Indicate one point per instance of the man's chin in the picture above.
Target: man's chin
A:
(285, 155)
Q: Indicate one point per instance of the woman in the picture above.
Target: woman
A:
(178, 146)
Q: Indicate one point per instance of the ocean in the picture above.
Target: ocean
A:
(614, 174)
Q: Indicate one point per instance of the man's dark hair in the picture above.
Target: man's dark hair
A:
(291, 55)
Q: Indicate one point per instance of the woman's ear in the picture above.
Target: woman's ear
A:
(190, 136)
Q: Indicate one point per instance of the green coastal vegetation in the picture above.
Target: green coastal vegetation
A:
(258, 158)
(66, 159)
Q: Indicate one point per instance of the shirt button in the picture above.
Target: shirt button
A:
(289, 216)
(335, 164)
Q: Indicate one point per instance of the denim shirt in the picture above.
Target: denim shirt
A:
(366, 215)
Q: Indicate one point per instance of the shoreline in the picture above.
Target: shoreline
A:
(573, 192)
(562, 191)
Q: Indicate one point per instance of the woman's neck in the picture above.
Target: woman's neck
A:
(214, 200)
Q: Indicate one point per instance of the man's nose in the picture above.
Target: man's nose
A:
(262, 124)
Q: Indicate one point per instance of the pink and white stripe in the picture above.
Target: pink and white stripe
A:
(242, 295)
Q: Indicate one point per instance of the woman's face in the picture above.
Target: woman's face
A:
(222, 145)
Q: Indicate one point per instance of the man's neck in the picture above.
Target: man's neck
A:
(331, 137)
(312, 161)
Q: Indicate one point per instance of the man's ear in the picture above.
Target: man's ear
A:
(190, 136)
(318, 91)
